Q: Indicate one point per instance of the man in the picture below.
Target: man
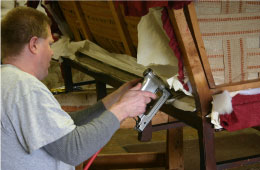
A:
(36, 133)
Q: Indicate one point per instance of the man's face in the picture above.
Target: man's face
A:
(45, 54)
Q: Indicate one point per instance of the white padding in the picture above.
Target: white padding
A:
(153, 43)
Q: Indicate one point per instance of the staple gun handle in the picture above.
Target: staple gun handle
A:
(144, 119)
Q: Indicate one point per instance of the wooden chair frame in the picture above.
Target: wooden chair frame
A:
(188, 35)
(189, 38)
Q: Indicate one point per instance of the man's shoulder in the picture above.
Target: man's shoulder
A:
(10, 72)
(16, 80)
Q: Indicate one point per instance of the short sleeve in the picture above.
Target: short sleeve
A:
(40, 119)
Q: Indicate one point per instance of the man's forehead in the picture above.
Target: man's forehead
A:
(49, 34)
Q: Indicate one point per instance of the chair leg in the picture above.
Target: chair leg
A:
(207, 146)
(146, 134)
(101, 90)
(175, 149)
(67, 75)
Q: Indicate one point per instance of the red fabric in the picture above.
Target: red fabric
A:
(141, 8)
(174, 45)
(246, 113)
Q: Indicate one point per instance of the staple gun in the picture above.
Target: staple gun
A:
(154, 84)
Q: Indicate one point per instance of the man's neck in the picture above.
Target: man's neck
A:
(21, 64)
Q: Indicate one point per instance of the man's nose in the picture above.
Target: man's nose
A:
(52, 52)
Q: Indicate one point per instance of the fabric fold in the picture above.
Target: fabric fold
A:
(245, 114)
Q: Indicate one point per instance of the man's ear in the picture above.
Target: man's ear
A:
(33, 45)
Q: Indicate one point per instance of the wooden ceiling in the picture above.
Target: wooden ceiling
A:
(102, 22)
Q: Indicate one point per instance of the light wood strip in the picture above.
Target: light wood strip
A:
(83, 24)
(123, 32)
(192, 61)
(200, 44)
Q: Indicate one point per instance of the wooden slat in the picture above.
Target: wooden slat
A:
(100, 71)
(132, 23)
(243, 85)
(189, 118)
(191, 61)
(122, 29)
(71, 18)
(200, 44)
(238, 162)
(83, 24)
(99, 18)
(129, 160)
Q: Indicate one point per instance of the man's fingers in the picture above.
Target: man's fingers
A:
(131, 83)
(145, 93)
(149, 94)
(135, 81)
(147, 100)
(137, 87)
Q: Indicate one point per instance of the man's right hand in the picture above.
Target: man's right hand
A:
(132, 103)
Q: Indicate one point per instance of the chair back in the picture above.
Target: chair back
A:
(217, 59)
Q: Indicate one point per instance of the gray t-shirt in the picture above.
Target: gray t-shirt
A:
(30, 118)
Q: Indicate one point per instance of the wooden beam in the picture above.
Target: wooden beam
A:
(122, 29)
(83, 23)
(174, 149)
(128, 160)
(207, 146)
(71, 18)
(238, 162)
(192, 61)
(200, 45)
(243, 85)
(100, 71)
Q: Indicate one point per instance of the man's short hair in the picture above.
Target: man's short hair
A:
(18, 26)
